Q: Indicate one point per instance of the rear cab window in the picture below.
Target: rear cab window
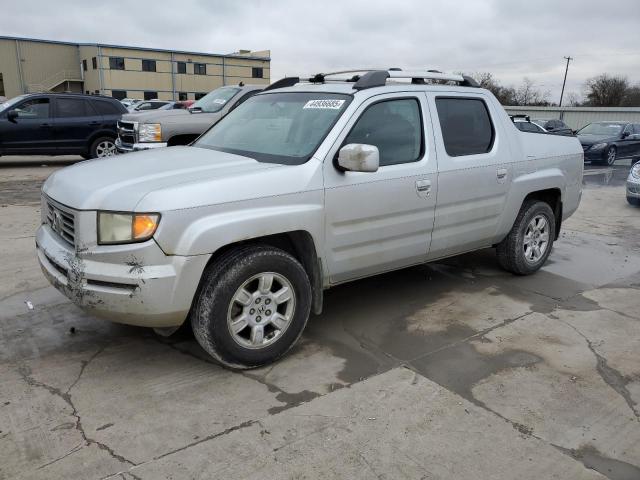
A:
(466, 125)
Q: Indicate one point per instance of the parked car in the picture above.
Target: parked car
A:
(147, 105)
(524, 124)
(59, 124)
(554, 125)
(633, 185)
(129, 102)
(606, 142)
(306, 185)
(180, 127)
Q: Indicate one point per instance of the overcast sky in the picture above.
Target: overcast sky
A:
(511, 38)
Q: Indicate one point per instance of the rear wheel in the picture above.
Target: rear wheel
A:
(528, 245)
(102, 147)
(252, 307)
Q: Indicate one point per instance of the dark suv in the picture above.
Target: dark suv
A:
(59, 124)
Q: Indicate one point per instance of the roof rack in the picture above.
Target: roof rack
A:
(364, 78)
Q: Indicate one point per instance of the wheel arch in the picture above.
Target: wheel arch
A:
(97, 134)
(553, 198)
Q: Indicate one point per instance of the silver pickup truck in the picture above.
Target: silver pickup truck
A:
(307, 185)
(162, 128)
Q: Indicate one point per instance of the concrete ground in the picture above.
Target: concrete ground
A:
(454, 370)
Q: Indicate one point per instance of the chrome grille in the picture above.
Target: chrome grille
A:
(127, 132)
(62, 221)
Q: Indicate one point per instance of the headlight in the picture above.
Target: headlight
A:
(598, 146)
(119, 227)
(150, 132)
(635, 171)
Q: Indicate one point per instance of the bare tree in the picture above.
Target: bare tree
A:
(632, 97)
(573, 100)
(606, 90)
(487, 80)
(528, 94)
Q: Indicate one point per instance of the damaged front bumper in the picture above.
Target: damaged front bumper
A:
(136, 284)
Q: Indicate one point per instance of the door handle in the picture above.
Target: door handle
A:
(423, 186)
(501, 173)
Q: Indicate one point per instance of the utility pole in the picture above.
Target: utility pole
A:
(568, 59)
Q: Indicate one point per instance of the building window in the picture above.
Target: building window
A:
(148, 65)
(97, 92)
(87, 92)
(150, 95)
(257, 72)
(2, 87)
(182, 96)
(182, 67)
(200, 68)
(199, 95)
(94, 63)
(84, 65)
(119, 94)
(116, 63)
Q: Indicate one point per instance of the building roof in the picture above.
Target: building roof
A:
(129, 47)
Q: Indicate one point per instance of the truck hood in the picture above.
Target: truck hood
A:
(166, 176)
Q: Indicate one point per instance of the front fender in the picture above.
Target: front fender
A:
(205, 230)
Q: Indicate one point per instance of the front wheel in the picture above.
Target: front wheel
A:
(252, 307)
(528, 245)
(610, 156)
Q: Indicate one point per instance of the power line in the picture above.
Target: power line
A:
(564, 82)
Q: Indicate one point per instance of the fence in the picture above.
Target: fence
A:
(578, 117)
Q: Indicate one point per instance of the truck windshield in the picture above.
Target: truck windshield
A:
(282, 128)
(214, 101)
(609, 129)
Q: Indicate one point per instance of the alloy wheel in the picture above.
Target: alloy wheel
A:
(105, 148)
(536, 239)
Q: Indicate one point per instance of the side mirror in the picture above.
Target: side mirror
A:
(625, 134)
(12, 116)
(359, 157)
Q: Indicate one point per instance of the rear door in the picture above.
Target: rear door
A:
(75, 121)
(474, 172)
(379, 221)
(32, 131)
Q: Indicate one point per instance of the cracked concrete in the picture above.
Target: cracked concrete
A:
(450, 370)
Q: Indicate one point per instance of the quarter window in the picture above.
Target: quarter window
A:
(395, 127)
(200, 68)
(116, 63)
(106, 107)
(148, 65)
(182, 67)
(70, 107)
(466, 126)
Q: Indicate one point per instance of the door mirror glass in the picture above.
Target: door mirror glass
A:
(359, 157)
(625, 134)
(12, 116)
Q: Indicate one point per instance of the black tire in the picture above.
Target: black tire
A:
(634, 201)
(97, 144)
(86, 156)
(214, 301)
(511, 251)
(609, 157)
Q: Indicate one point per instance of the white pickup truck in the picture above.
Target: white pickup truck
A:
(307, 185)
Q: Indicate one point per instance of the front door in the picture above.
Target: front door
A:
(31, 132)
(379, 221)
(474, 173)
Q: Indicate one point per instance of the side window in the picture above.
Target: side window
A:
(70, 107)
(36, 108)
(466, 126)
(395, 127)
(636, 128)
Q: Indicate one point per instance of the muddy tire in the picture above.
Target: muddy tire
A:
(528, 245)
(252, 306)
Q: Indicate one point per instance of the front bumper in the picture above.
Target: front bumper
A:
(594, 155)
(136, 284)
(136, 147)
(633, 187)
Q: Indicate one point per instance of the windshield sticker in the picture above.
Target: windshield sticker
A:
(331, 104)
(220, 101)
